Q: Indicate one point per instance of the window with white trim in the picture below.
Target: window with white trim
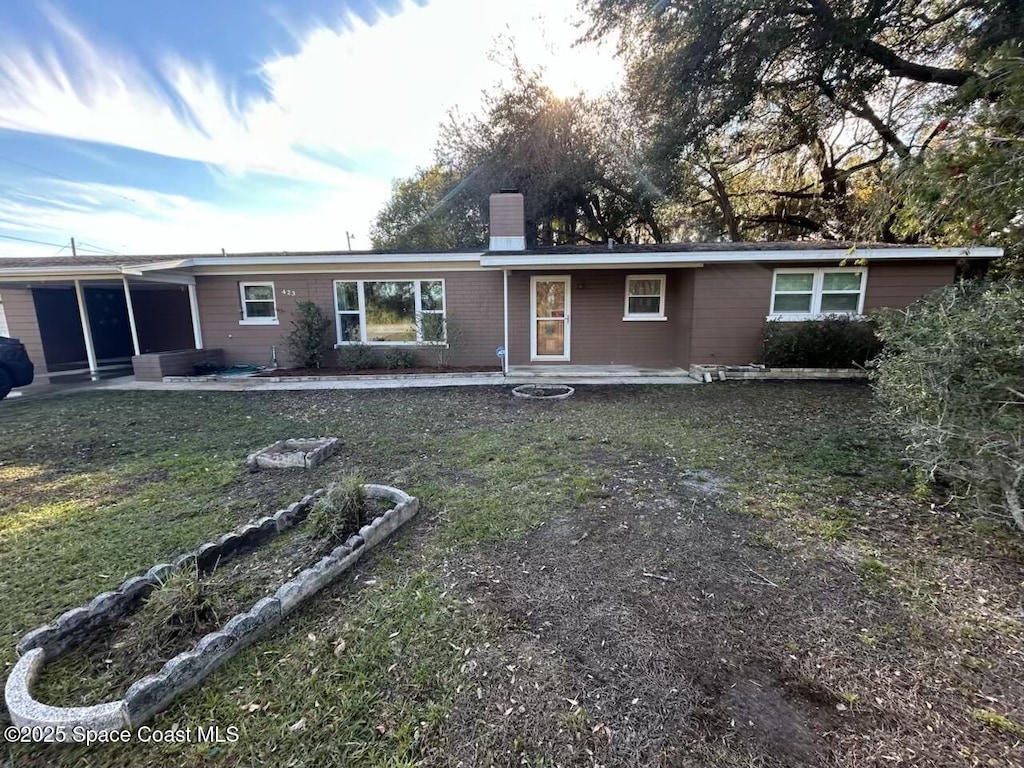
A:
(259, 303)
(645, 297)
(799, 293)
(390, 311)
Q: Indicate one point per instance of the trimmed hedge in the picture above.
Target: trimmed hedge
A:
(832, 342)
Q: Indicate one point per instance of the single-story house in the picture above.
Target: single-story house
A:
(649, 306)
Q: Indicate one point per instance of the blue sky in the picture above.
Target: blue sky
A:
(144, 127)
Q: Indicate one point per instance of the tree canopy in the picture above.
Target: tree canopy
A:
(750, 120)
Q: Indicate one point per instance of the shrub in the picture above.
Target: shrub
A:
(444, 333)
(181, 605)
(356, 357)
(311, 337)
(340, 513)
(396, 358)
(833, 342)
(951, 377)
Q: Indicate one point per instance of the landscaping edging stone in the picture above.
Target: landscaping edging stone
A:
(151, 694)
(710, 373)
(524, 391)
(300, 452)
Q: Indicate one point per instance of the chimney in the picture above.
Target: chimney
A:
(508, 221)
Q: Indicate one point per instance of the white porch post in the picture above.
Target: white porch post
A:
(83, 315)
(193, 303)
(131, 316)
(504, 360)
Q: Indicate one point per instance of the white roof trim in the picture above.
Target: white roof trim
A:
(339, 259)
(625, 258)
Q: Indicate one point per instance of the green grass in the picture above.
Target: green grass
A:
(97, 487)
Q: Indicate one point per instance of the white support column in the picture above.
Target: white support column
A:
(131, 316)
(83, 315)
(193, 303)
(504, 360)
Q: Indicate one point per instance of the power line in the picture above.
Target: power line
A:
(97, 248)
(53, 245)
(66, 178)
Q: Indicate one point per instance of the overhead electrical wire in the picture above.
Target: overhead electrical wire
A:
(55, 245)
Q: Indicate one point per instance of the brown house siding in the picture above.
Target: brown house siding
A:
(731, 302)
(474, 303)
(22, 324)
(899, 284)
(598, 334)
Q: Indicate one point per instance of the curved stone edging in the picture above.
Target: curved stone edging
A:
(523, 391)
(153, 693)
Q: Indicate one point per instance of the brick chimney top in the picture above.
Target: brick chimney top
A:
(508, 221)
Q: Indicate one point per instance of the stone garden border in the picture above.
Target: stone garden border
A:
(524, 391)
(710, 373)
(294, 452)
(154, 693)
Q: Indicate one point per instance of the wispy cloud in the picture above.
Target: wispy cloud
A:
(350, 107)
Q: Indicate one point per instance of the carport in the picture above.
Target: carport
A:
(90, 321)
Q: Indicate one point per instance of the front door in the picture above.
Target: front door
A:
(549, 332)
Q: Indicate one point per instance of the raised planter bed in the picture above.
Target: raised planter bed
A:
(543, 391)
(299, 452)
(153, 693)
(710, 373)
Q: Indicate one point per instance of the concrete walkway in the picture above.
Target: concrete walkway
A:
(379, 382)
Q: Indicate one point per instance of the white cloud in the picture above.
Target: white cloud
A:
(349, 90)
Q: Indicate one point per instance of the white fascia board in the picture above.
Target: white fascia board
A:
(684, 258)
(334, 259)
(59, 273)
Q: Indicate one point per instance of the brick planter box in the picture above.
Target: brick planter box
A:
(154, 366)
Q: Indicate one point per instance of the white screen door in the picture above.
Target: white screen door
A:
(549, 332)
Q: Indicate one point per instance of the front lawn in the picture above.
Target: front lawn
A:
(728, 575)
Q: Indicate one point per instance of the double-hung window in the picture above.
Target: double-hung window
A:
(645, 297)
(259, 305)
(390, 311)
(800, 293)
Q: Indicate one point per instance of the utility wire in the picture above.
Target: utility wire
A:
(66, 178)
(53, 245)
(97, 248)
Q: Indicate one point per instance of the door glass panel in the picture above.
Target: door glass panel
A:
(550, 299)
(550, 337)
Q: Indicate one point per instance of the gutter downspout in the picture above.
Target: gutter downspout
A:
(504, 360)
(83, 316)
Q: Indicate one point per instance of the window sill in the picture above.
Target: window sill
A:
(802, 318)
(267, 321)
(415, 344)
(641, 319)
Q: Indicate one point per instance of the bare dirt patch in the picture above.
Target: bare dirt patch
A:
(655, 628)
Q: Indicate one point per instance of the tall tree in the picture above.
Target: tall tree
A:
(425, 212)
(831, 91)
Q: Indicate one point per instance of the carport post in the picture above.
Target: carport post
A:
(193, 304)
(131, 316)
(83, 314)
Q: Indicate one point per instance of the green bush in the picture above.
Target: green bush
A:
(397, 358)
(356, 357)
(951, 377)
(832, 342)
(311, 338)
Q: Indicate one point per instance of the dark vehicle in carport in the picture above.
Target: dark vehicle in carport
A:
(16, 370)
